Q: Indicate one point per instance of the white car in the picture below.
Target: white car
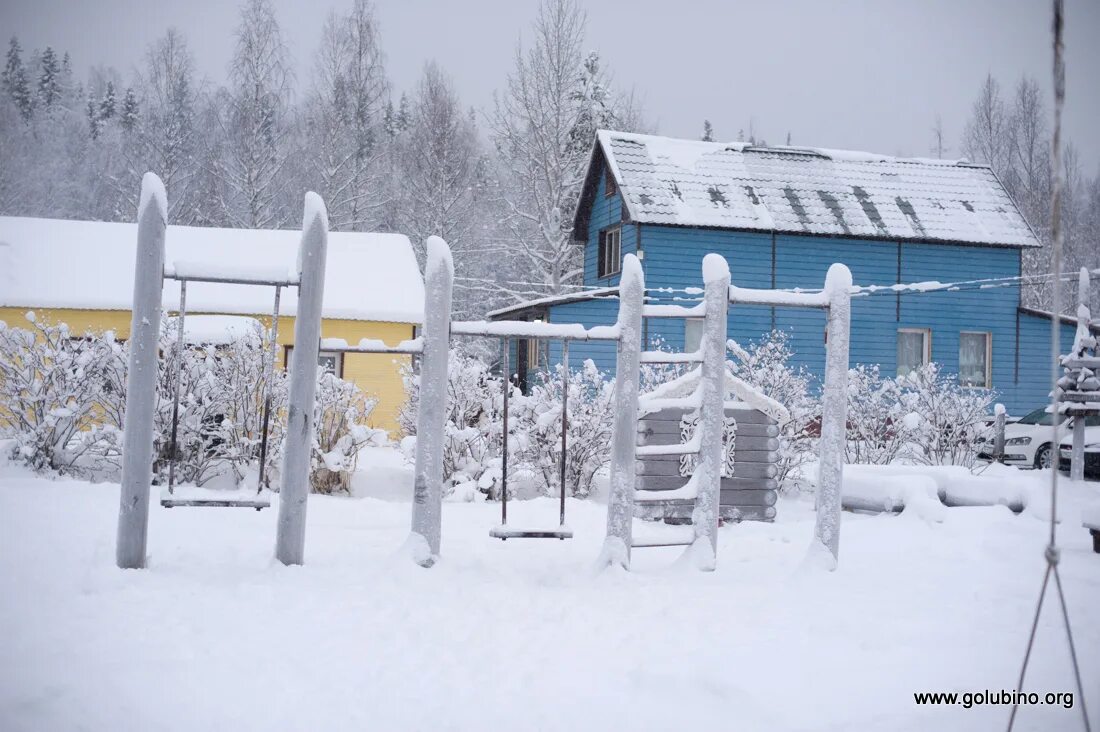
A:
(1028, 443)
(1092, 449)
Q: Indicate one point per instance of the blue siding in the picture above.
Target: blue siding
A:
(588, 313)
(673, 258)
(606, 211)
(1033, 389)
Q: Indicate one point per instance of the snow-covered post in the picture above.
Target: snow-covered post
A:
(141, 376)
(999, 433)
(1077, 454)
(427, 510)
(624, 429)
(290, 538)
(712, 385)
(834, 408)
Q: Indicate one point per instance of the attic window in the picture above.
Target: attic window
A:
(610, 186)
(609, 255)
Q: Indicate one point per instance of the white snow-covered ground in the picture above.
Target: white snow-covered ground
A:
(523, 635)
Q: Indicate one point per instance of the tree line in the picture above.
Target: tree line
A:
(1010, 132)
(499, 185)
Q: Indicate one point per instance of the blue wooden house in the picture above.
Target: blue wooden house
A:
(780, 216)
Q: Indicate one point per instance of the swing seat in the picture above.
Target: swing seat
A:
(507, 532)
(190, 496)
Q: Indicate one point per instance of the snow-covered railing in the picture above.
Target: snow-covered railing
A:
(228, 275)
(532, 329)
(779, 298)
(373, 345)
(674, 311)
(670, 357)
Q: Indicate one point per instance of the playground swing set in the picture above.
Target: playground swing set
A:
(707, 401)
(184, 273)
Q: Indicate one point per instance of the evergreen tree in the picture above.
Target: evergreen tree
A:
(389, 119)
(15, 80)
(107, 104)
(404, 116)
(708, 131)
(94, 119)
(49, 80)
(129, 115)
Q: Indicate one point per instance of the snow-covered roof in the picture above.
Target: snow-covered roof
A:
(807, 191)
(89, 265)
(214, 330)
(555, 300)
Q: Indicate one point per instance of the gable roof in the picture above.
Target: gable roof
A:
(804, 191)
(89, 265)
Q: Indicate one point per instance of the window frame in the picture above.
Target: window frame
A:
(602, 258)
(700, 324)
(988, 359)
(926, 350)
(288, 349)
(610, 185)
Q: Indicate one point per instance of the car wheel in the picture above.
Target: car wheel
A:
(1044, 457)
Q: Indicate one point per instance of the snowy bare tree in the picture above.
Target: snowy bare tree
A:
(255, 121)
(163, 137)
(543, 125)
(344, 111)
(987, 136)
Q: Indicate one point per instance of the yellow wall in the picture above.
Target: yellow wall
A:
(378, 375)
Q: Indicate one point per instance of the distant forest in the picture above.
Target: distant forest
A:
(498, 184)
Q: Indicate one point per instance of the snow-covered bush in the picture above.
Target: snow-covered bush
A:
(340, 430)
(588, 431)
(765, 365)
(58, 394)
(879, 426)
(237, 379)
(472, 427)
(949, 422)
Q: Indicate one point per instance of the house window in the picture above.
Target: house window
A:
(974, 359)
(610, 186)
(914, 349)
(610, 252)
(330, 361)
(693, 334)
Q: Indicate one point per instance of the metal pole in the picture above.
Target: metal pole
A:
(999, 435)
(624, 430)
(506, 372)
(427, 508)
(269, 372)
(141, 376)
(1077, 449)
(712, 427)
(172, 446)
(290, 538)
(834, 414)
(564, 420)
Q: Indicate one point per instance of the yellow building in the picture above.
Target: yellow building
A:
(82, 273)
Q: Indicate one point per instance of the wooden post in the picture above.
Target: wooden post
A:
(999, 433)
(427, 509)
(1077, 453)
(290, 539)
(834, 414)
(141, 376)
(712, 422)
(628, 354)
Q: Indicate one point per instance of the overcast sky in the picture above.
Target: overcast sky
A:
(863, 75)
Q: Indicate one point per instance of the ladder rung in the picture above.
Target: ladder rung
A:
(690, 447)
(665, 357)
